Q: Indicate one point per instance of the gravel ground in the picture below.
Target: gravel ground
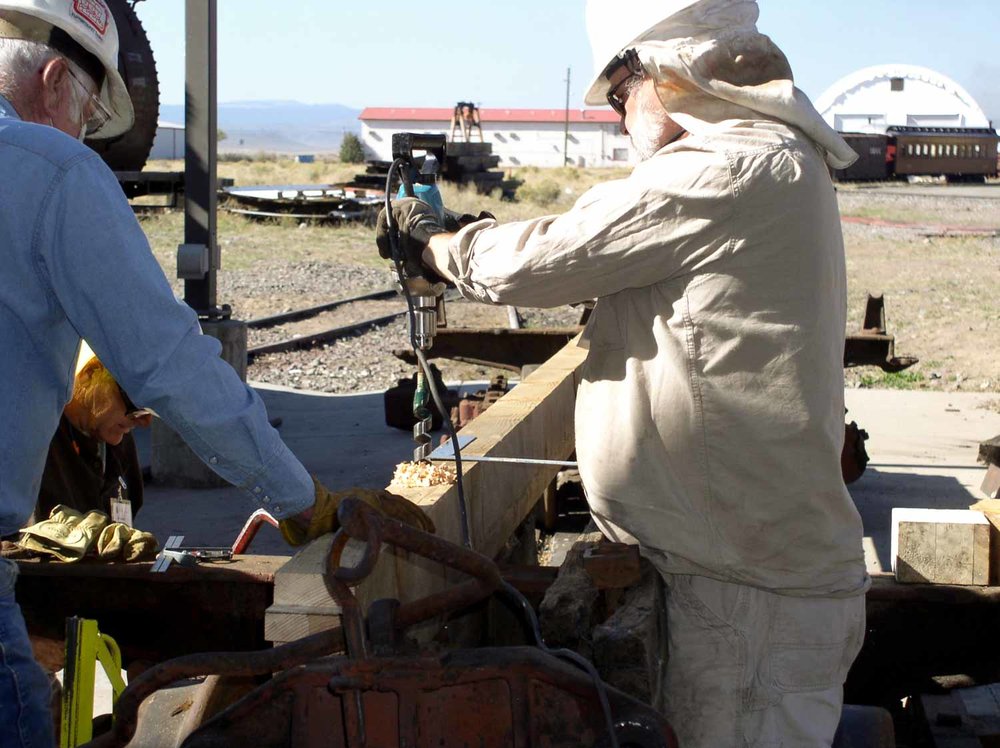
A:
(937, 300)
(364, 362)
(275, 286)
(339, 317)
(917, 208)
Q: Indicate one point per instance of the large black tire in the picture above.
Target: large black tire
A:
(129, 152)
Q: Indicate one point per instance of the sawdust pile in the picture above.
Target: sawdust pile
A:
(422, 475)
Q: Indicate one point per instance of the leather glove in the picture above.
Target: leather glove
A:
(119, 542)
(417, 223)
(324, 516)
(66, 534)
(454, 222)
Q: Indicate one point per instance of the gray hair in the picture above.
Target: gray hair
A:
(19, 60)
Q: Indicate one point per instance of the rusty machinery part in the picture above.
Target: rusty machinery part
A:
(129, 151)
(472, 406)
(312, 693)
(264, 662)
(513, 696)
(853, 456)
(361, 522)
(873, 346)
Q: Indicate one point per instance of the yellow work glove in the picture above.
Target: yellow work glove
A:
(324, 516)
(66, 534)
(119, 542)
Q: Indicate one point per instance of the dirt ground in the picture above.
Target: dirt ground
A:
(940, 302)
(941, 293)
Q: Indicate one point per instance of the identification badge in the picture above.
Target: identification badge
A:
(121, 508)
(121, 511)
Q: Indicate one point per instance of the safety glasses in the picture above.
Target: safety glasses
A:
(622, 74)
(99, 114)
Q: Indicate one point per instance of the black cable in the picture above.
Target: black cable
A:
(569, 655)
(397, 259)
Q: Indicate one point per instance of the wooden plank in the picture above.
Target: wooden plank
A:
(535, 419)
(945, 546)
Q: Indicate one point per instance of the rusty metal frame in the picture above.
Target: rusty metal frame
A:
(873, 346)
(500, 347)
(511, 349)
(305, 664)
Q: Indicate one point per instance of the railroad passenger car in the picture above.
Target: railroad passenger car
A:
(959, 154)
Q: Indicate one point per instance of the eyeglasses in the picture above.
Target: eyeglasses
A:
(99, 114)
(622, 74)
(131, 410)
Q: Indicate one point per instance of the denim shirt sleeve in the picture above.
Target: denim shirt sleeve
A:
(97, 262)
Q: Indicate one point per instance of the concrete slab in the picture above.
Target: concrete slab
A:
(341, 439)
(923, 448)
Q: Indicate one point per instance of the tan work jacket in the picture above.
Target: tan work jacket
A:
(709, 422)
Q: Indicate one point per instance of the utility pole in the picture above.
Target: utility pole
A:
(566, 128)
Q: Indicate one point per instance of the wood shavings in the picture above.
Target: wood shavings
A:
(422, 475)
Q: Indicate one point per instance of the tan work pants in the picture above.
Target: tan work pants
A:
(751, 669)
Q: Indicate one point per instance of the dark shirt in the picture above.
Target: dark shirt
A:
(75, 476)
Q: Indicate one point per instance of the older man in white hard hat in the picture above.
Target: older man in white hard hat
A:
(709, 418)
(77, 264)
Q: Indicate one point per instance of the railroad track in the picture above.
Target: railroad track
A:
(302, 329)
(306, 328)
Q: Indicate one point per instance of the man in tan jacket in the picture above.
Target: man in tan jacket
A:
(715, 361)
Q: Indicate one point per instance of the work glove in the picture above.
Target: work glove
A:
(454, 222)
(66, 534)
(119, 542)
(324, 516)
(417, 223)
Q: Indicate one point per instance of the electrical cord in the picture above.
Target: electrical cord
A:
(397, 259)
(569, 655)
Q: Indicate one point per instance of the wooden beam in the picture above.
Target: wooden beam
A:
(535, 419)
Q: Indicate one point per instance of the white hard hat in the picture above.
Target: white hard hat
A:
(85, 32)
(616, 25)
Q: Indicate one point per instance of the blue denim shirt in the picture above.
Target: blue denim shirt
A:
(76, 264)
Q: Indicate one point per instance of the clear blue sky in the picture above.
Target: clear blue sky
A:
(514, 53)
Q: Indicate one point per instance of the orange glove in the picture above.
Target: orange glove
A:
(324, 513)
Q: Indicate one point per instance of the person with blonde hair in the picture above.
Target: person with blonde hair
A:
(92, 457)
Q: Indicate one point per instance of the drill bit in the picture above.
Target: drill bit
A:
(424, 422)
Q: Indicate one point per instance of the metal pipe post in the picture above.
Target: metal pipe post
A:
(199, 257)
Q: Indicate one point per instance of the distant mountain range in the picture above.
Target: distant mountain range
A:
(278, 126)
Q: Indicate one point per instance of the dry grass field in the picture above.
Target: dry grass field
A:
(941, 290)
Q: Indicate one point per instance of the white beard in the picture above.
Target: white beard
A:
(650, 133)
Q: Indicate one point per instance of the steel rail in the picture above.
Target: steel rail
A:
(305, 342)
(309, 341)
(300, 314)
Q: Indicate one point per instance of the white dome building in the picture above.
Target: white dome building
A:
(875, 98)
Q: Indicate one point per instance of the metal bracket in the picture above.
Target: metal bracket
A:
(192, 261)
